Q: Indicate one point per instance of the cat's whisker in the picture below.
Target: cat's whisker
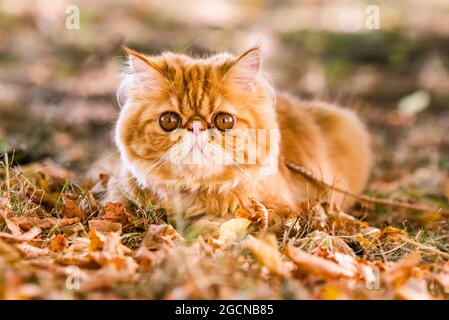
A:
(160, 160)
(248, 179)
(125, 181)
(240, 170)
(157, 162)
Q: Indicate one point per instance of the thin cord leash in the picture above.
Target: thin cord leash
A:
(395, 203)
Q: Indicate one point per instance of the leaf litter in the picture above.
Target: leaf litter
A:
(54, 230)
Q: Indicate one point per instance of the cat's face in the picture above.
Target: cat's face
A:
(196, 122)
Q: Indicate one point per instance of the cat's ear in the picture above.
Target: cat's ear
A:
(143, 67)
(246, 69)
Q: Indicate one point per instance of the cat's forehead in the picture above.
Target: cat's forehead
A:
(196, 84)
(178, 65)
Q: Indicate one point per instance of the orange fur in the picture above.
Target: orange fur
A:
(328, 140)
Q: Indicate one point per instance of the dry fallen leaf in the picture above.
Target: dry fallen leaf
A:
(322, 240)
(106, 246)
(159, 236)
(267, 253)
(316, 265)
(59, 243)
(402, 270)
(71, 209)
(346, 225)
(44, 223)
(96, 240)
(392, 233)
(116, 212)
(27, 236)
(258, 214)
(83, 260)
(12, 226)
(114, 258)
(105, 226)
(234, 229)
(413, 289)
(31, 234)
(30, 251)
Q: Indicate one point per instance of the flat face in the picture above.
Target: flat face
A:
(195, 119)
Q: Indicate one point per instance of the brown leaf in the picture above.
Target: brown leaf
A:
(319, 240)
(71, 209)
(72, 229)
(30, 251)
(147, 258)
(96, 240)
(258, 214)
(82, 259)
(12, 226)
(346, 225)
(402, 270)
(114, 271)
(267, 253)
(44, 223)
(107, 250)
(90, 204)
(31, 234)
(413, 289)
(55, 171)
(59, 243)
(28, 236)
(116, 212)
(105, 226)
(392, 233)
(316, 265)
(159, 236)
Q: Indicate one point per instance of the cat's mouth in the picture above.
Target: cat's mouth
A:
(198, 150)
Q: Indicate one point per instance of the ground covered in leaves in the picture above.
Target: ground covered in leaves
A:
(58, 241)
(57, 108)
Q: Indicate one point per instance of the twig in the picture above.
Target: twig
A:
(387, 202)
(429, 248)
(8, 187)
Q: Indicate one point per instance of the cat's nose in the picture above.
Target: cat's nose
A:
(196, 126)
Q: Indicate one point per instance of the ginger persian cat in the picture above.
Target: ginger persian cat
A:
(223, 107)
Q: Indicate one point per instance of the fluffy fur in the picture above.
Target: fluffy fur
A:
(326, 139)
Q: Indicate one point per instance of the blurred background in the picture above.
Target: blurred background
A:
(58, 77)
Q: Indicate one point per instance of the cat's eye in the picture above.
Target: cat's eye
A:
(169, 121)
(223, 121)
